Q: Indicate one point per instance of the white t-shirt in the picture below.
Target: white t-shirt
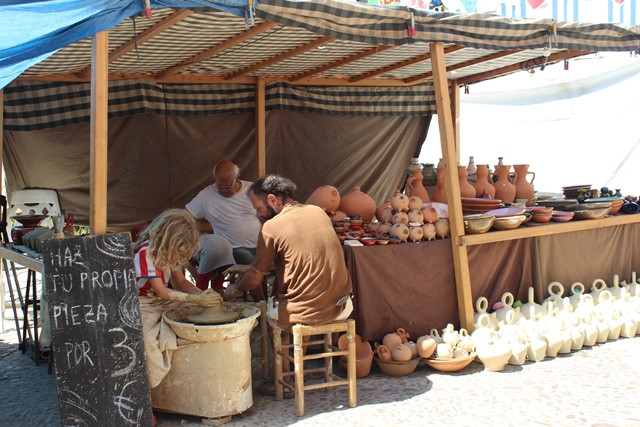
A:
(232, 218)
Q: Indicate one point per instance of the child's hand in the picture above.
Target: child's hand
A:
(207, 298)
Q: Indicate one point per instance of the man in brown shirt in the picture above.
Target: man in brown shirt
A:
(313, 282)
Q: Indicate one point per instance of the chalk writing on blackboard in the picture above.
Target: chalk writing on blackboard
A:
(97, 342)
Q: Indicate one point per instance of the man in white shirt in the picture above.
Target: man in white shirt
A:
(227, 207)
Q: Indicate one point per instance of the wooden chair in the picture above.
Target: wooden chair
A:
(298, 332)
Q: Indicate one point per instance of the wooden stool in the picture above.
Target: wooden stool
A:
(330, 380)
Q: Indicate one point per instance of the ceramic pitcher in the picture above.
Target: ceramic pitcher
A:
(482, 182)
(524, 188)
(505, 190)
(466, 189)
(439, 193)
(416, 188)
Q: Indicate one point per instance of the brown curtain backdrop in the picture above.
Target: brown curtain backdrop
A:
(156, 162)
(584, 256)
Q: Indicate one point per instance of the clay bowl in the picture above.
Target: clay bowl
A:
(587, 206)
(542, 209)
(368, 241)
(508, 222)
(542, 218)
(450, 365)
(616, 206)
(592, 213)
(382, 240)
(397, 369)
(557, 204)
(562, 217)
(478, 224)
(29, 220)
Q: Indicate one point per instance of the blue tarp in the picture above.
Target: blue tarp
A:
(32, 30)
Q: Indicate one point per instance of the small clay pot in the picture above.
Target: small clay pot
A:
(401, 231)
(325, 196)
(400, 218)
(416, 215)
(359, 203)
(428, 231)
(400, 202)
(430, 214)
(415, 202)
(442, 227)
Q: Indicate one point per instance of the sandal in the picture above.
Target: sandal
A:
(268, 388)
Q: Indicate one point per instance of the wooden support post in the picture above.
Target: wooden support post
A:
(460, 259)
(260, 127)
(99, 139)
(455, 113)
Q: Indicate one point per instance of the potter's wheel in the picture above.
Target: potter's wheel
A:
(214, 314)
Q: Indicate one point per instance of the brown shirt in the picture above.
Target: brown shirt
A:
(310, 268)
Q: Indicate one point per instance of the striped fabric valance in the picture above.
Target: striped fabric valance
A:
(388, 25)
(32, 106)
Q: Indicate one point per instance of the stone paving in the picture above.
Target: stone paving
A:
(597, 386)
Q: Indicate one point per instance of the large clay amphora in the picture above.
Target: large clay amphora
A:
(416, 188)
(466, 189)
(524, 189)
(505, 190)
(482, 184)
(439, 193)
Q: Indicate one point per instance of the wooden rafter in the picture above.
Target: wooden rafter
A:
(400, 64)
(465, 64)
(281, 57)
(536, 62)
(139, 39)
(245, 35)
(339, 62)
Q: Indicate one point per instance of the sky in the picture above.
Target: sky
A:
(588, 139)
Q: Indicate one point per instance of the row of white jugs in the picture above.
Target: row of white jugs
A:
(558, 325)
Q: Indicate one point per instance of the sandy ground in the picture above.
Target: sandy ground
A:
(597, 386)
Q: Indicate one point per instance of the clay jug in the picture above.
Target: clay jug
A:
(426, 346)
(325, 196)
(466, 189)
(439, 193)
(505, 190)
(401, 353)
(524, 188)
(482, 182)
(383, 352)
(414, 183)
(380, 209)
(391, 340)
(359, 203)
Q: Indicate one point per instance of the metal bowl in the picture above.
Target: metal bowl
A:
(508, 222)
(478, 224)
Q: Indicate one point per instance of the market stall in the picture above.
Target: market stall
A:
(289, 45)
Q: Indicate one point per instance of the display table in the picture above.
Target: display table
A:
(411, 285)
(28, 333)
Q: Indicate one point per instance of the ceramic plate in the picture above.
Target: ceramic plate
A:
(502, 212)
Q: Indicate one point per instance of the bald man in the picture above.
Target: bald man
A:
(227, 207)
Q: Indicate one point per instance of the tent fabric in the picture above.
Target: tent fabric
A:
(388, 26)
(161, 161)
(37, 105)
(33, 30)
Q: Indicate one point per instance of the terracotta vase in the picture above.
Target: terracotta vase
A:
(482, 183)
(380, 209)
(439, 193)
(466, 189)
(505, 190)
(414, 182)
(325, 196)
(524, 188)
(359, 203)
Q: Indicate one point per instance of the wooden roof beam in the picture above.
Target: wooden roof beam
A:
(535, 62)
(281, 57)
(146, 35)
(400, 64)
(339, 62)
(465, 64)
(237, 39)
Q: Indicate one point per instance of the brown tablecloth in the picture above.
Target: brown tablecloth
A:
(412, 285)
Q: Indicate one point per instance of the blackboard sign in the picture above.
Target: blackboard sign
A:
(96, 330)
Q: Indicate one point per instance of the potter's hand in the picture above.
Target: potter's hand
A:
(238, 269)
(208, 298)
(232, 292)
